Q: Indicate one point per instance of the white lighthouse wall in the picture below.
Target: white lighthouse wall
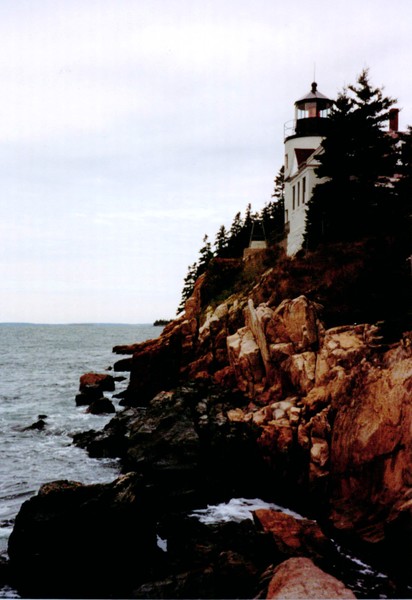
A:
(296, 212)
(299, 184)
(305, 142)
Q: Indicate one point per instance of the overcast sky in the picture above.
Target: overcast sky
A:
(130, 128)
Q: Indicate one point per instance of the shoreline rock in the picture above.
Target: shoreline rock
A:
(300, 578)
(74, 540)
(247, 398)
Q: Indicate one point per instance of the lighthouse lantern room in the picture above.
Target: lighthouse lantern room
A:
(303, 138)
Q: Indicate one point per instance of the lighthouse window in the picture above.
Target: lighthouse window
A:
(304, 190)
(293, 197)
(312, 109)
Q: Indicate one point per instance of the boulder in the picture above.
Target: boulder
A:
(257, 321)
(301, 371)
(301, 578)
(124, 365)
(90, 394)
(343, 346)
(246, 361)
(101, 406)
(156, 365)
(296, 321)
(221, 560)
(113, 440)
(185, 445)
(103, 381)
(125, 349)
(83, 541)
(38, 425)
(294, 537)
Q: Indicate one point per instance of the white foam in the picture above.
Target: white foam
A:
(161, 543)
(361, 566)
(237, 510)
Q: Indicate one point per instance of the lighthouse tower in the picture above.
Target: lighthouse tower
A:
(303, 137)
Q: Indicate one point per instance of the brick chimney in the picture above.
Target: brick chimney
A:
(394, 119)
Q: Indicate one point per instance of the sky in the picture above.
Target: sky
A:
(129, 129)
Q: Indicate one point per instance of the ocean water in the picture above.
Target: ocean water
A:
(40, 366)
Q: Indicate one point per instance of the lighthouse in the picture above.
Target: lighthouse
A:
(303, 137)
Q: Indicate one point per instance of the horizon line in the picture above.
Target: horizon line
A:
(115, 323)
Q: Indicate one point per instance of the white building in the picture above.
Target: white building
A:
(303, 137)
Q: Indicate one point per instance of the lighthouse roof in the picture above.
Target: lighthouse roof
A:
(314, 95)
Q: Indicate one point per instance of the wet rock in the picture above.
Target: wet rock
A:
(101, 406)
(110, 442)
(124, 365)
(210, 561)
(155, 367)
(89, 394)
(5, 575)
(92, 386)
(38, 425)
(301, 578)
(103, 381)
(73, 540)
(125, 349)
(294, 537)
(189, 451)
(120, 378)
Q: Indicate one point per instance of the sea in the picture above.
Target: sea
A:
(40, 367)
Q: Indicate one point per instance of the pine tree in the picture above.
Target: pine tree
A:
(279, 191)
(188, 285)
(237, 225)
(357, 161)
(235, 240)
(221, 242)
(401, 216)
(205, 256)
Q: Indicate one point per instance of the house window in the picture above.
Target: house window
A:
(298, 192)
(286, 216)
(304, 190)
(293, 197)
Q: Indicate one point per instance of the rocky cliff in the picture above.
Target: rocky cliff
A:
(330, 408)
(258, 394)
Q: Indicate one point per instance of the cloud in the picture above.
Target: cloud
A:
(129, 129)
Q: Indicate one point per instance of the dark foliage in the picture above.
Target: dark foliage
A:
(359, 161)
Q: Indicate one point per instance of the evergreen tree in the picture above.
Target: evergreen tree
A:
(236, 235)
(279, 191)
(401, 216)
(357, 162)
(236, 227)
(221, 242)
(188, 285)
(205, 256)
(273, 220)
